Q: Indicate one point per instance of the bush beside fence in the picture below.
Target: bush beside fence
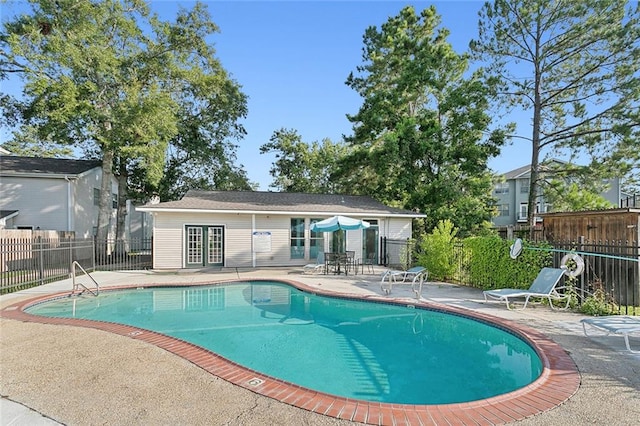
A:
(611, 273)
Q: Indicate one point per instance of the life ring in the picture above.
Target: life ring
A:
(572, 264)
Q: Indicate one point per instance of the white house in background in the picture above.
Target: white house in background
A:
(512, 196)
(256, 229)
(52, 194)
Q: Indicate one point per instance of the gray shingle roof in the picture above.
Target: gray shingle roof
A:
(12, 164)
(257, 201)
(7, 213)
(524, 170)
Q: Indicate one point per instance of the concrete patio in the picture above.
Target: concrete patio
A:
(77, 376)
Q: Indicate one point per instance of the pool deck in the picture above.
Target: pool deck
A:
(61, 374)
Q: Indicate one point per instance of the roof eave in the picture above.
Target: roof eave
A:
(41, 175)
(151, 209)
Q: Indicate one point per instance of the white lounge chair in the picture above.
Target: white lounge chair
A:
(317, 267)
(415, 276)
(543, 287)
(616, 324)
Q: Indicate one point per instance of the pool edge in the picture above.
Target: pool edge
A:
(559, 380)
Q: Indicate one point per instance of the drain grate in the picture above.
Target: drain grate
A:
(255, 382)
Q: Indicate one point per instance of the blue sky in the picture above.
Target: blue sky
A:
(292, 59)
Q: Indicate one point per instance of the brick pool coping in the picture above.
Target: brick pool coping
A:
(558, 381)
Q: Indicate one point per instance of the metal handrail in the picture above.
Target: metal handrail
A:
(77, 285)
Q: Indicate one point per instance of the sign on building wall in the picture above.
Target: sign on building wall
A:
(262, 242)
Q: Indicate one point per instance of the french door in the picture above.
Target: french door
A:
(204, 246)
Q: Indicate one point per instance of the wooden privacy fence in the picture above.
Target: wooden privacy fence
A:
(28, 262)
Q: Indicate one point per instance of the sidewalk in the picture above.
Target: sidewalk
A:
(35, 364)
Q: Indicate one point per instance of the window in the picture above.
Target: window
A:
(316, 241)
(503, 209)
(524, 186)
(114, 201)
(524, 211)
(96, 197)
(502, 188)
(297, 238)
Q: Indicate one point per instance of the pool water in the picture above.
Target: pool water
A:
(350, 348)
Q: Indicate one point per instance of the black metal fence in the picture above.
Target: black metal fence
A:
(28, 262)
(610, 267)
(396, 253)
(630, 201)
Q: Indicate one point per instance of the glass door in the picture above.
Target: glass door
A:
(370, 243)
(204, 246)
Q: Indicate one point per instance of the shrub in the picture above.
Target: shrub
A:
(488, 264)
(436, 251)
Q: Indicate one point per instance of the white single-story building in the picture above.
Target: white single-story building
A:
(256, 229)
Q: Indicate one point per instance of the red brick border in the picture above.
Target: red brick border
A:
(557, 383)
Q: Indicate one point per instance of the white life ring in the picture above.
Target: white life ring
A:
(577, 264)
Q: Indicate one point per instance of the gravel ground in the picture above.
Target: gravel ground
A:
(79, 376)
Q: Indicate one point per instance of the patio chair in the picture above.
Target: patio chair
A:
(543, 287)
(369, 263)
(616, 324)
(315, 267)
(414, 276)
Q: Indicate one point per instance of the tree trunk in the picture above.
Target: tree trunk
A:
(121, 230)
(105, 205)
(535, 145)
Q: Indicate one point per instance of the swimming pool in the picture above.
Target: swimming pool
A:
(377, 352)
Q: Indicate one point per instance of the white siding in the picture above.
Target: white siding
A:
(55, 203)
(85, 212)
(354, 242)
(169, 239)
(168, 244)
(42, 202)
(398, 228)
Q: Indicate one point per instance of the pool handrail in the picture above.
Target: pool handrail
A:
(77, 285)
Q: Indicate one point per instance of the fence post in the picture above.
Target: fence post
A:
(41, 260)
(70, 255)
(93, 253)
(581, 242)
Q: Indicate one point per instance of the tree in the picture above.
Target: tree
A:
(202, 155)
(419, 138)
(27, 143)
(574, 67)
(303, 167)
(111, 79)
(572, 197)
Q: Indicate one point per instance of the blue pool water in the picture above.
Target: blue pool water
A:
(349, 348)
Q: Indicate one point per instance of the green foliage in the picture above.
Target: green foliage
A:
(574, 66)
(436, 251)
(300, 166)
(571, 197)
(27, 143)
(420, 137)
(600, 303)
(488, 264)
(113, 80)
